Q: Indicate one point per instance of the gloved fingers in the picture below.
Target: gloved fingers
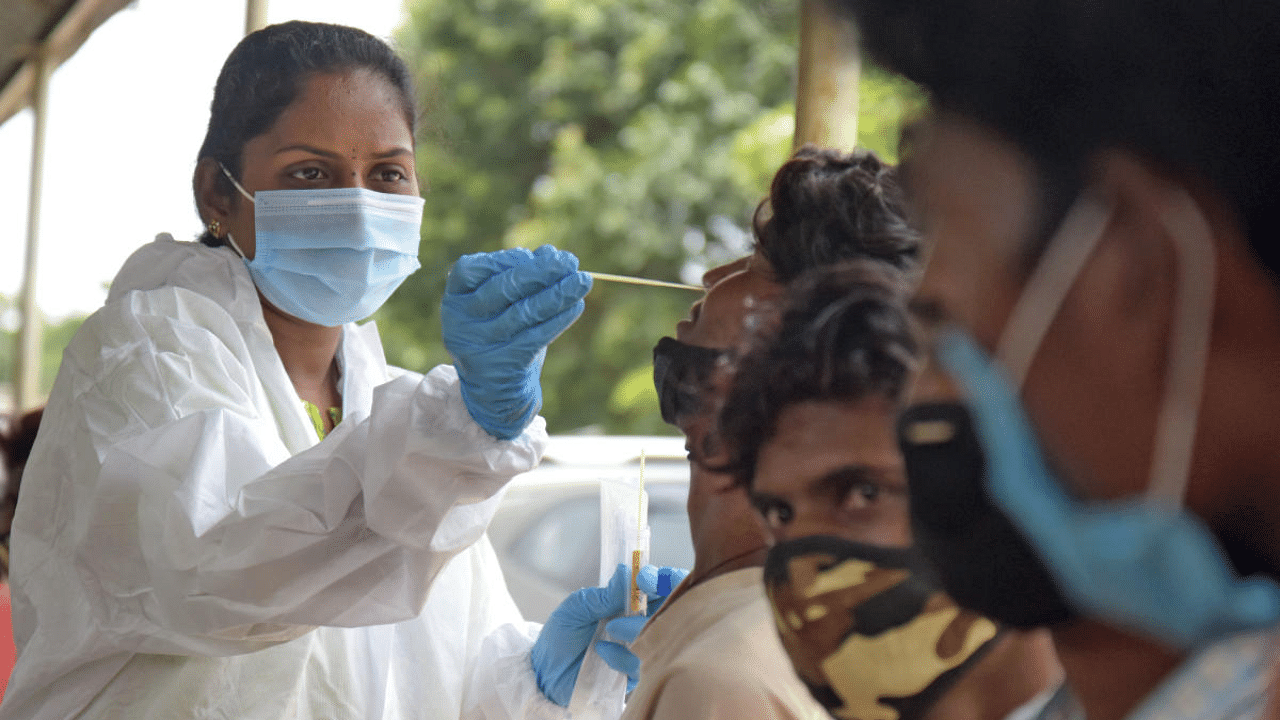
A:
(505, 339)
(670, 578)
(550, 251)
(619, 658)
(527, 279)
(562, 644)
(543, 333)
(537, 304)
(609, 601)
(627, 628)
(659, 581)
(509, 287)
(588, 606)
(521, 350)
(471, 271)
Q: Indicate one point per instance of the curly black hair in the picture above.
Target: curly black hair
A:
(825, 207)
(843, 334)
(265, 72)
(1189, 84)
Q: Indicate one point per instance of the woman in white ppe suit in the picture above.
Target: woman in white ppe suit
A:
(235, 508)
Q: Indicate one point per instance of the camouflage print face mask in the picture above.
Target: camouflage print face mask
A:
(867, 627)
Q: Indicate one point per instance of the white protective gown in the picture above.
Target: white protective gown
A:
(186, 547)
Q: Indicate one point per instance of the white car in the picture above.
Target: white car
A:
(547, 530)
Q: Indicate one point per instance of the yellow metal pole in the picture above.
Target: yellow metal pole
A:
(26, 372)
(255, 15)
(827, 85)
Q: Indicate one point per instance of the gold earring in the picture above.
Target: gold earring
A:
(215, 228)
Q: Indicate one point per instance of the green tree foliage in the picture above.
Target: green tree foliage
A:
(639, 134)
(54, 339)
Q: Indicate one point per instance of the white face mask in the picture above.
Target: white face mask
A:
(331, 256)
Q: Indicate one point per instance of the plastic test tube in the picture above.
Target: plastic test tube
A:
(639, 603)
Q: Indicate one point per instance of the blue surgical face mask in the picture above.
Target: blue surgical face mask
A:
(1146, 563)
(331, 256)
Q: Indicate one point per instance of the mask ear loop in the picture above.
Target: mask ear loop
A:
(1188, 356)
(235, 182)
(1046, 290)
(230, 240)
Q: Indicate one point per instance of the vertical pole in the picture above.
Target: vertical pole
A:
(27, 361)
(255, 15)
(827, 85)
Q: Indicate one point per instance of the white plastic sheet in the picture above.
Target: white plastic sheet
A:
(600, 693)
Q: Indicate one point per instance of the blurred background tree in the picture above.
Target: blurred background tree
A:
(57, 334)
(639, 134)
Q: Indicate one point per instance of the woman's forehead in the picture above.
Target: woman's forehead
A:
(355, 112)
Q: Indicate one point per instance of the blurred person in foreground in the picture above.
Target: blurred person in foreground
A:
(1096, 452)
(808, 428)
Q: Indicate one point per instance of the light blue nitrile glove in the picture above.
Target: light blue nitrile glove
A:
(657, 583)
(500, 311)
(561, 646)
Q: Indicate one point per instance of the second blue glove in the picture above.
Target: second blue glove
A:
(657, 583)
(562, 645)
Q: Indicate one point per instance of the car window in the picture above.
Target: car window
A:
(669, 540)
(563, 544)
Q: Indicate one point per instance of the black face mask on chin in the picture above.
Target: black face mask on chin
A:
(983, 561)
(681, 374)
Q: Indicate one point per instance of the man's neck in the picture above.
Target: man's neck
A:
(710, 563)
(1109, 671)
(727, 536)
(715, 560)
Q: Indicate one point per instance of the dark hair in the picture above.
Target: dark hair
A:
(843, 334)
(264, 73)
(1189, 84)
(825, 207)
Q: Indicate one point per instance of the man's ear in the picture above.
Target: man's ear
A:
(211, 201)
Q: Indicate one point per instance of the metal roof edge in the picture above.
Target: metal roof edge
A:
(61, 40)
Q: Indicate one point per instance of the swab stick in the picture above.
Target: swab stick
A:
(609, 277)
